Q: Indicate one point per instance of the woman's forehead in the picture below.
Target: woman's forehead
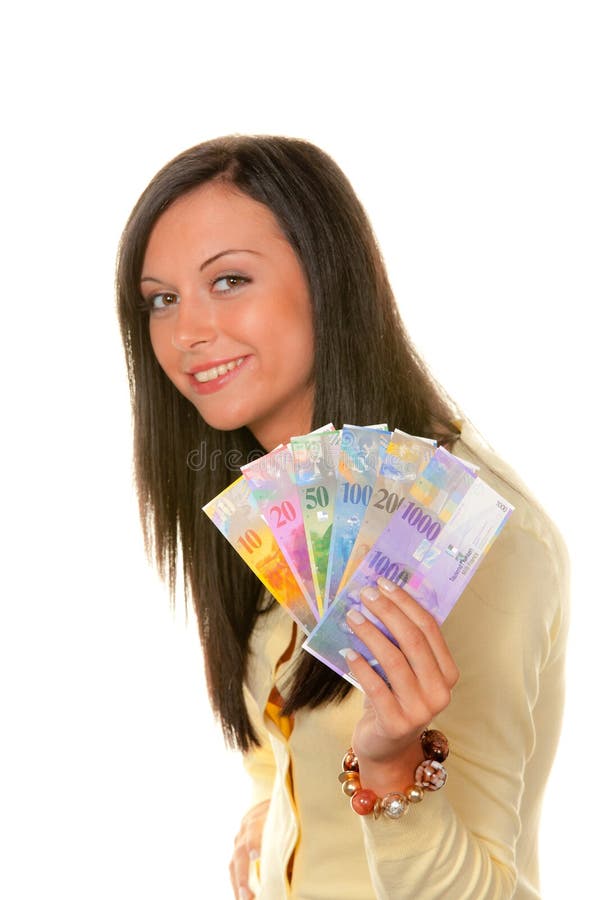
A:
(209, 220)
(218, 204)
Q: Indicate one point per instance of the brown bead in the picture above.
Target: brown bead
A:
(435, 745)
(350, 762)
(363, 801)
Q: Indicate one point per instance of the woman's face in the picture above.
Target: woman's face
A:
(230, 313)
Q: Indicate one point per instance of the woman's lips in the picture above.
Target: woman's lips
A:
(213, 377)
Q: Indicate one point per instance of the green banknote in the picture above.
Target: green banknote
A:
(315, 469)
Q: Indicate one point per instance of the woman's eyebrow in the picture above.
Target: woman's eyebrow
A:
(207, 262)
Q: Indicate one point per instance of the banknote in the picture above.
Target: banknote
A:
(275, 491)
(361, 452)
(315, 471)
(431, 547)
(238, 518)
(405, 458)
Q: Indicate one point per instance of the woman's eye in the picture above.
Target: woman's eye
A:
(228, 283)
(162, 301)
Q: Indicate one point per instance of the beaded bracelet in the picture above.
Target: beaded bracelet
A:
(430, 775)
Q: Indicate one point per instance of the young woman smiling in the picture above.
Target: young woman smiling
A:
(254, 305)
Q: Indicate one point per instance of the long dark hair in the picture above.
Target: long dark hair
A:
(365, 370)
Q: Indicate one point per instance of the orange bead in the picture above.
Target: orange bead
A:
(363, 801)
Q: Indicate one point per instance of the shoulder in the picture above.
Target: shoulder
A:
(508, 631)
(529, 522)
(528, 566)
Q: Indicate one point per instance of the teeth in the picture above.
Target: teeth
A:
(217, 371)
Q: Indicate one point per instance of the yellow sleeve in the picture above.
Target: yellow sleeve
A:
(259, 762)
(507, 635)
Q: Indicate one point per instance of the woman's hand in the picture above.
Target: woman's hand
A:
(247, 849)
(421, 674)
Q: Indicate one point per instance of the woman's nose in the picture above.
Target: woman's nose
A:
(194, 324)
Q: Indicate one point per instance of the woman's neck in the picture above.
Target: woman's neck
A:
(278, 429)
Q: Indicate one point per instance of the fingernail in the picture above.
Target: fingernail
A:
(253, 855)
(244, 894)
(348, 653)
(386, 585)
(355, 616)
(369, 593)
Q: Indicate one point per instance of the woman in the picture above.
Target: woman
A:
(254, 306)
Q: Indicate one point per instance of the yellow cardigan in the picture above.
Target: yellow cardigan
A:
(476, 838)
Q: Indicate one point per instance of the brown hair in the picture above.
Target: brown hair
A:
(365, 370)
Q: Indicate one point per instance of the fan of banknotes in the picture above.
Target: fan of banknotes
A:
(324, 516)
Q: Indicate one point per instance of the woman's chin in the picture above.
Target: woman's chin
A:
(221, 419)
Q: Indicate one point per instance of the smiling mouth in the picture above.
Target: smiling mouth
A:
(218, 371)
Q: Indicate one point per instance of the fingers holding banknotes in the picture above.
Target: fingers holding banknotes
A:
(420, 670)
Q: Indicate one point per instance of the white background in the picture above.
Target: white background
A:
(470, 131)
